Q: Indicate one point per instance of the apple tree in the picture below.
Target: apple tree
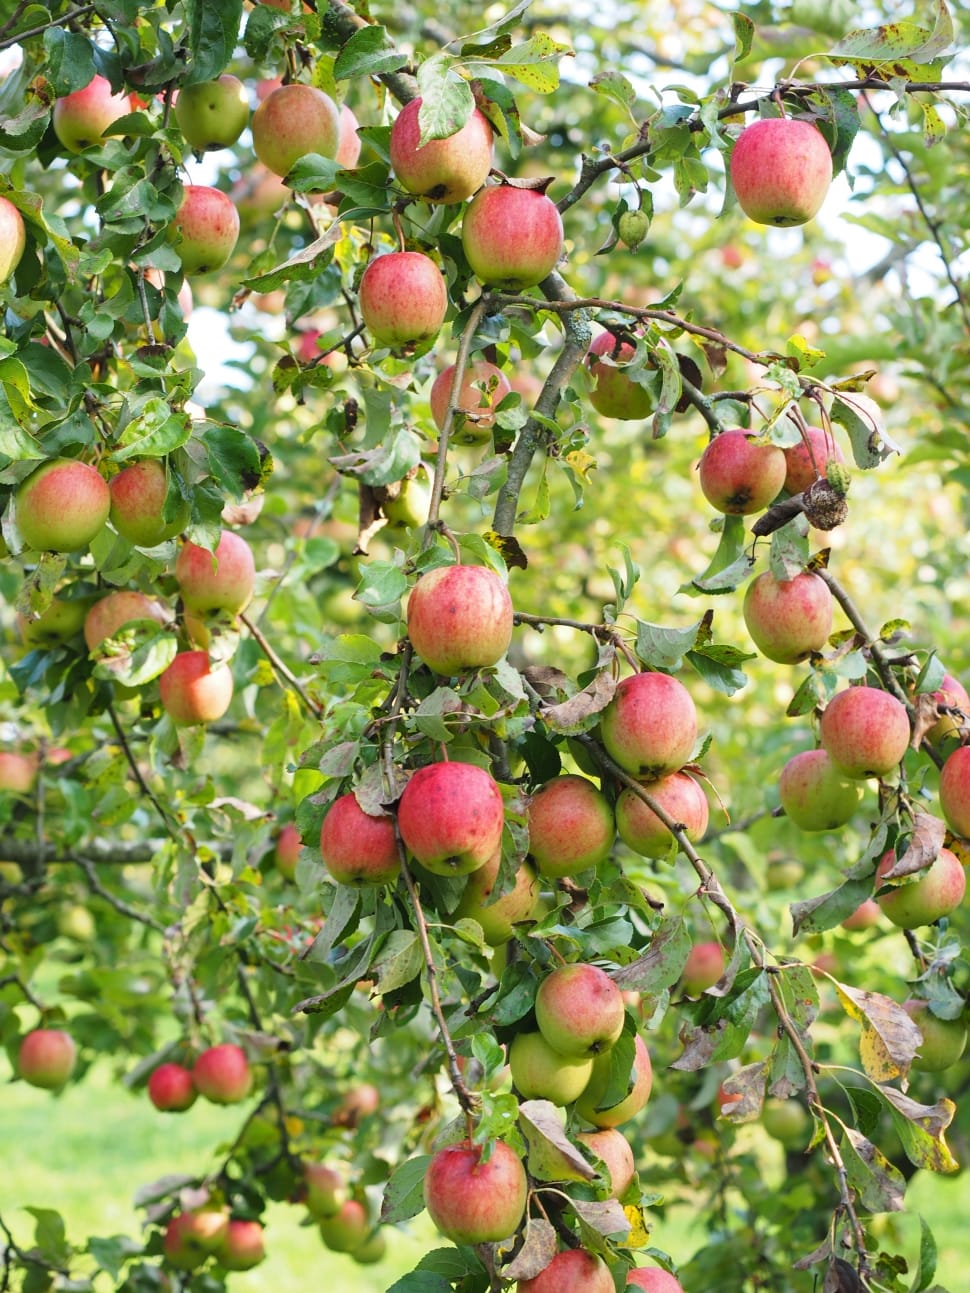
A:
(483, 530)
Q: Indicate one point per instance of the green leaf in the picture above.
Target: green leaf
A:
(717, 665)
(446, 100)
(422, 1282)
(213, 32)
(926, 1269)
(234, 460)
(815, 915)
(614, 85)
(921, 1129)
(895, 45)
(663, 648)
(532, 62)
(369, 52)
(661, 965)
(403, 1194)
(50, 1236)
(401, 960)
(730, 564)
(744, 30)
(880, 1186)
(70, 62)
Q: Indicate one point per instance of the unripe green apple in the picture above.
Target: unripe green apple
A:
(650, 726)
(482, 387)
(292, 121)
(789, 619)
(81, 118)
(943, 1040)
(473, 1200)
(683, 800)
(372, 1250)
(926, 896)
(588, 1105)
(205, 229)
(579, 1009)
(62, 505)
(865, 732)
(574, 1270)
(59, 622)
(440, 170)
(499, 918)
(326, 1190)
(403, 299)
(222, 1074)
(815, 795)
(13, 238)
(632, 227)
(138, 495)
(539, 1072)
(459, 617)
(512, 237)
(192, 691)
(571, 826)
(451, 816)
(787, 1121)
(348, 1229)
(221, 580)
(359, 848)
(408, 508)
(46, 1058)
(781, 170)
(738, 475)
(615, 394)
(212, 114)
(808, 459)
(109, 615)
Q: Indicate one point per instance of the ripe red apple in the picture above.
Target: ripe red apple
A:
(588, 1104)
(212, 114)
(866, 915)
(290, 122)
(358, 1102)
(483, 386)
(359, 848)
(512, 237)
(46, 1058)
(222, 1074)
(205, 229)
(243, 1247)
(440, 170)
(62, 505)
(348, 1228)
(952, 695)
(80, 119)
(955, 791)
(18, 772)
(459, 617)
(579, 1009)
(615, 394)
(574, 1270)
(925, 897)
(539, 1072)
(221, 580)
(702, 969)
(650, 726)
(806, 461)
(680, 796)
(612, 1148)
(171, 1089)
(865, 731)
(815, 795)
(781, 170)
(403, 299)
(451, 817)
(110, 614)
(654, 1280)
(13, 238)
(326, 1190)
(571, 826)
(191, 1237)
(286, 851)
(138, 494)
(192, 691)
(349, 145)
(943, 1040)
(738, 475)
(472, 1200)
(788, 619)
(499, 918)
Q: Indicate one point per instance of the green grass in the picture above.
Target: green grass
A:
(87, 1151)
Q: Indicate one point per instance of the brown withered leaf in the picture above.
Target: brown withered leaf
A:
(552, 1155)
(746, 1087)
(924, 846)
(579, 712)
(538, 1249)
(879, 1184)
(841, 1278)
(889, 1037)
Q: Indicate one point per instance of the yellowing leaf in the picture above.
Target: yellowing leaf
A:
(889, 1038)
